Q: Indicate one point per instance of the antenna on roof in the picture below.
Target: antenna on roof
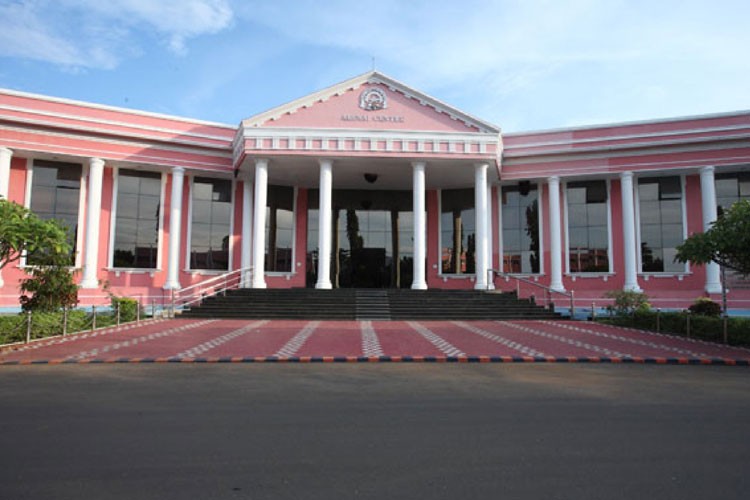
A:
(373, 63)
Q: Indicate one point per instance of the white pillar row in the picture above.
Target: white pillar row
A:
(325, 224)
(628, 233)
(93, 216)
(491, 282)
(246, 256)
(708, 200)
(480, 212)
(175, 230)
(555, 235)
(259, 223)
(5, 156)
(420, 227)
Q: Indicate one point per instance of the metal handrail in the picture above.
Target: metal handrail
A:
(491, 273)
(215, 285)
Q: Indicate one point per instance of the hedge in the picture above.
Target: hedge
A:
(675, 323)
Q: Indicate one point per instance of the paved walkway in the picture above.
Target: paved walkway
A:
(183, 340)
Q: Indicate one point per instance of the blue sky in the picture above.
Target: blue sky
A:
(523, 65)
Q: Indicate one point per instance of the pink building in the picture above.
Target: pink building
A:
(370, 183)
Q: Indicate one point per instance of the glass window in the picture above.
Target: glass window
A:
(588, 227)
(520, 209)
(209, 226)
(55, 190)
(731, 188)
(137, 219)
(457, 238)
(279, 229)
(660, 208)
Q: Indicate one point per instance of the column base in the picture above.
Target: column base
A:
(480, 286)
(89, 284)
(259, 284)
(632, 288)
(323, 286)
(714, 289)
(419, 286)
(172, 285)
(557, 288)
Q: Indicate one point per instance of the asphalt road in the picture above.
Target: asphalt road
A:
(374, 431)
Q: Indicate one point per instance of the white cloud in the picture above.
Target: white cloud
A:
(508, 50)
(98, 34)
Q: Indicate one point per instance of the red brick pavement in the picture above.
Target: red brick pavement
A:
(299, 340)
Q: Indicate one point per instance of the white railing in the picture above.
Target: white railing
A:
(195, 294)
(547, 291)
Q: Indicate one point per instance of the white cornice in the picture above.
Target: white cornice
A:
(676, 120)
(654, 135)
(356, 82)
(615, 149)
(130, 111)
(121, 133)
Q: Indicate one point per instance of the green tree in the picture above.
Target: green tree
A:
(22, 231)
(727, 242)
(51, 287)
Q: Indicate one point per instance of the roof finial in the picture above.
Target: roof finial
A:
(373, 63)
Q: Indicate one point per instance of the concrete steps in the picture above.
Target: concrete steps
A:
(369, 304)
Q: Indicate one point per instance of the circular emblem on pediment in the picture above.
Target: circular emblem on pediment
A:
(372, 99)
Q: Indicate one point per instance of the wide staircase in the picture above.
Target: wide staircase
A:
(367, 304)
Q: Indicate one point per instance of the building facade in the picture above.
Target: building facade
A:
(372, 184)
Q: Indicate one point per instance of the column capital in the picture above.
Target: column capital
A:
(419, 164)
(481, 164)
(708, 169)
(626, 175)
(178, 170)
(262, 162)
(553, 179)
(325, 162)
(6, 151)
(96, 161)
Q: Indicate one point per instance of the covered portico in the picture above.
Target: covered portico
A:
(357, 136)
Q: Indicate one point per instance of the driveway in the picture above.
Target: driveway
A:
(183, 340)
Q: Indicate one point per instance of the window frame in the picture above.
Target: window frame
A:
(82, 195)
(189, 230)
(113, 226)
(683, 207)
(566, 236)
(540, 228)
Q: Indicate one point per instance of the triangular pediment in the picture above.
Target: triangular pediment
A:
(371, 101)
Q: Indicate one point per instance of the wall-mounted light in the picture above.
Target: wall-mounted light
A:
(371, 178)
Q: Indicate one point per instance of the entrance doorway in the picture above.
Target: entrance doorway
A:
(372, 245)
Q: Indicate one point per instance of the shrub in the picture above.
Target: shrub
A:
(128, 308)
(705, 307)
(627, 302)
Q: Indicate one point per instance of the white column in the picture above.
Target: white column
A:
(480, 212)
(708, 200)
(628, 233)
(420, 226)
(5, 156)
(259, 223)
(325, 225)
(491, 282)
(93, 215)
(555, 235)
(175, 228)
(246, 257)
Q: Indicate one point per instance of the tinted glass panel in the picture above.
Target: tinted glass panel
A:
(588, 244)
(211, 211)
(457, 235)
(55, 192)
(660, 223)
(137, 219)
